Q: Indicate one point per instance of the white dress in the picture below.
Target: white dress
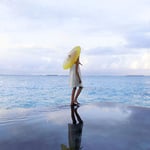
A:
(74, 80)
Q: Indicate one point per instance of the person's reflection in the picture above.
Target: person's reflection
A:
(74, 130)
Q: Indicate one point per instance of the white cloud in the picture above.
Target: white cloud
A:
(134, 63)
(36, 34)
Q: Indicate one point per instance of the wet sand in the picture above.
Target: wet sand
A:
(106, 126)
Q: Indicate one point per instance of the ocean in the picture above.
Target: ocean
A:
(53, 91)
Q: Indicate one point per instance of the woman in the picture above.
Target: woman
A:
(75, 82)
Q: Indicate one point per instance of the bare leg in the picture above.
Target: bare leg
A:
(73, 94)
(77, 94)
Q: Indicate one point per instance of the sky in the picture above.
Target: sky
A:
(36, 36)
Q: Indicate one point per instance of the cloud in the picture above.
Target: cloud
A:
(29, 61)
(118, 64)
(35, 35)
(115, 51)
(139, 40)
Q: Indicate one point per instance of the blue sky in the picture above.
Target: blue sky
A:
(36, 35)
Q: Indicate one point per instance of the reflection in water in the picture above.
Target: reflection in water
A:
(74, 131)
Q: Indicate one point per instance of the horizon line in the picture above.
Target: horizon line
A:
(128, 75)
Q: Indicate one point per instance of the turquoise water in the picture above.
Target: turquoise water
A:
(54, 91)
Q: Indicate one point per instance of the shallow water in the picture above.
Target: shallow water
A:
(105, 126)
(54, 91)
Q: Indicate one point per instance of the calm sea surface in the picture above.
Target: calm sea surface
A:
(54, 91)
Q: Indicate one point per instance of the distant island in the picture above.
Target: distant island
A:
(135, 75)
